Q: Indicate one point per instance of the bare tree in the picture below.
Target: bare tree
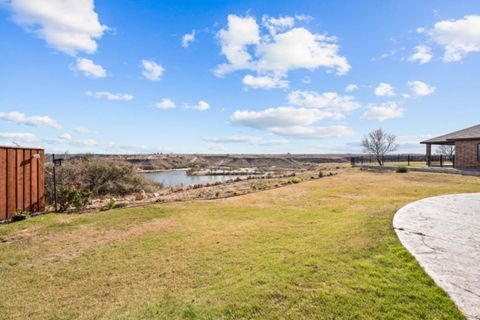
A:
(379, 143)
(448, 151)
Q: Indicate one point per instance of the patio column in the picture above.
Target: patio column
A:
(429, 154)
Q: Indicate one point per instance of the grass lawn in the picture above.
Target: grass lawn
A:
(323, 249)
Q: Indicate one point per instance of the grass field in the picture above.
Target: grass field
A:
(323, 249)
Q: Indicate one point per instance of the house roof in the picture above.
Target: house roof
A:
(464, 134)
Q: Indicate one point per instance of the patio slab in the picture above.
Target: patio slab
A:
(443, 233)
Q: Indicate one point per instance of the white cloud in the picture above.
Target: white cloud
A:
(188, 38)
(306, 50)
(328, 100)
(422, 54)
(36, 121)
(165, 104)
(252, 140)
(264, 82)
(18, 136)
(152, 70)
(110, 96)
(246, 48)
(86, 143)
(241, 32)
(70, 26)
(275, 25)
(384, 111)
(65, 137)
(420, 88)
(200, 106)
(82, 130)
(384, 90)
(305, 132)
(89, 68)
(351, 87)
(457, 37)
(279, 117)
(299, 119)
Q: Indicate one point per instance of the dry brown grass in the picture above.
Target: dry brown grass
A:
(319, 249)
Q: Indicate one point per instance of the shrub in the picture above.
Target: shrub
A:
(68, 197)
(20, 215)
(217, 194)
(111, 204)
(100, 176)
(296, 180)
(402, 170)
(320, 174)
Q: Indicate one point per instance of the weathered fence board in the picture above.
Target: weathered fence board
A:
(21, 181)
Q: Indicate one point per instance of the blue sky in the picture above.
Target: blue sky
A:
(235, 77)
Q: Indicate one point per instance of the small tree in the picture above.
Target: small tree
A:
(448, 151)
(379, 143)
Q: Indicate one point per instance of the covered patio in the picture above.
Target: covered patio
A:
(467, 148)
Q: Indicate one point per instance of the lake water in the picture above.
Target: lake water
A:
(180, 177)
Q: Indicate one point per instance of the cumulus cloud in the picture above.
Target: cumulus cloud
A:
(18, 136)
(200, 106)
(384, 111)
(152, 70)
(165, 104)
(88, 68)
(457, 37)
(327, 100)
(188, 38)
(110, 96)
(275, 25)
(422, 54)
(279, 117)
(384, 90)
(351, 87)
(241, 32)
(420, 88)
(69, 26)
(247, 48)
(264, 82)
(82, 130)
(35, 121)
(300, 118)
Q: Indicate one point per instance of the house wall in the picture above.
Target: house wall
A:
(466, 154)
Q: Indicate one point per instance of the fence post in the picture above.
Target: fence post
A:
(441, 161)
(54, 183)
(352, 161)
(408, 159)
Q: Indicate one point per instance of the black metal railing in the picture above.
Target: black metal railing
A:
(404, 160)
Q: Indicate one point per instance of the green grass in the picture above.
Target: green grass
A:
(322, 249)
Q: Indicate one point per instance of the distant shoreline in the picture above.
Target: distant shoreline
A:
(162, 170)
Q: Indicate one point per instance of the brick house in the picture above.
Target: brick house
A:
(467, 147)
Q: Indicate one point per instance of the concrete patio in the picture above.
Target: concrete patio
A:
(443, 235)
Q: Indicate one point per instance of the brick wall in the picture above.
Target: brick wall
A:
(466, 154)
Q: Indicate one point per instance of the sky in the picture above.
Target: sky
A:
(235, 76)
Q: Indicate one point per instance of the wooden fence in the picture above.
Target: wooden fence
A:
(21, 181)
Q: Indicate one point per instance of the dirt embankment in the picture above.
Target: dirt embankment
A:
(261, 163)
